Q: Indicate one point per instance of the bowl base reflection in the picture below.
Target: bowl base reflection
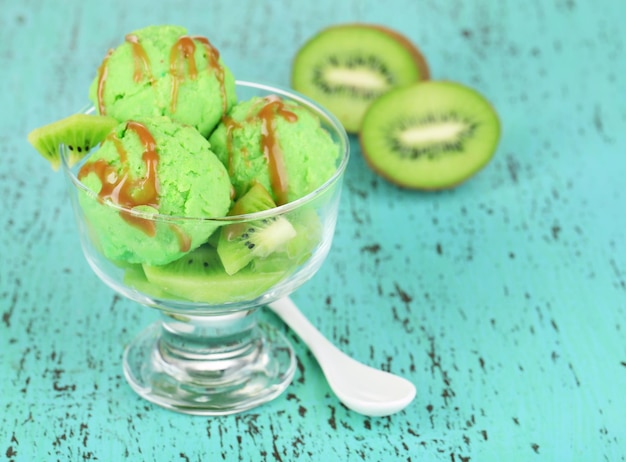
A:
(209, 365)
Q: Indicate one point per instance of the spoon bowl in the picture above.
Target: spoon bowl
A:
(359, 387)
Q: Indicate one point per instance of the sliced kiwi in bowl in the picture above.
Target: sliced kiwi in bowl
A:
(78, 132)
(297, 250)
(199, 276)
(345, 67)
(429, 135)
(240, 242)
(241, 261)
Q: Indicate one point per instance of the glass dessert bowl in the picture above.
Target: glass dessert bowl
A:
(208, 354)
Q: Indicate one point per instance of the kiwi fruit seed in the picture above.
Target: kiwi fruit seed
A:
(429, 135)
(199, 276)
(346, 67)
(240, 242)
(78, 132)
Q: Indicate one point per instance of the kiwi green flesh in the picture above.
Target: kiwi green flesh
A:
(78, 132)
(200, 277)
(429, 135)
(345, 68)
(256, 199)
(135, 278)
(308, 234)
(240, 242)
(254, 239)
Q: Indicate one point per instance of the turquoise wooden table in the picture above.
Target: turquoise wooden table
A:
(503, 300)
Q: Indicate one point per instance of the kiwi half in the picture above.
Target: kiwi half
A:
(346, 67)
(430, 135)
(78, 132)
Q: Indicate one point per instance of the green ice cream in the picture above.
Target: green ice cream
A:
(159, 70)
(149, 167)
(277, 143)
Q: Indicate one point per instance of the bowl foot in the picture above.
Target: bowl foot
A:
(210, 375)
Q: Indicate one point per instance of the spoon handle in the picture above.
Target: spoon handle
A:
(359, 387)
(319, 345)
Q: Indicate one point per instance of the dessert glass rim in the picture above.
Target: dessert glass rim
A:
(343, 145)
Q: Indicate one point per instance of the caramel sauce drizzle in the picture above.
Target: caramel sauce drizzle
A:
(103, 72)
(140, 57)
(231, 125)
(120, 188)
(184, 241)
(213, 57)
(272, 107)
(181, 54)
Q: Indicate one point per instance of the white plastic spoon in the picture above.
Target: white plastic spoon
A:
(361, 388)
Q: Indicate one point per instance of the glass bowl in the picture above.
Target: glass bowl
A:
(208, 354)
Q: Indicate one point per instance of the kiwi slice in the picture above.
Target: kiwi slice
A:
(199, 276)
(346, 67)
(298, 250)
(430, 135)
(79, 132)
(239, 243)
(135, 277)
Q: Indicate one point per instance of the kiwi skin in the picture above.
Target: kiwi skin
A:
(418, 57)
(442, 186)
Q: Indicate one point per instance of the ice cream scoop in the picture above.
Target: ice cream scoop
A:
(276, 143)
(161, 70)
(146, 168)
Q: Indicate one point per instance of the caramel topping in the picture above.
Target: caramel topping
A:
(271, 146)
(141, 72)
(230, 124)
(102, 77)
(120, 188)
(272, 107)
(181, 52)
(213, 57)
(184, 241)
(142, 62)
(181, 55)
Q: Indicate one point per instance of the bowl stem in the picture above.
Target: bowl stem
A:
(209, 365)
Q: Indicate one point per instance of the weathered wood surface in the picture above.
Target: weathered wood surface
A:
(504, 300)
